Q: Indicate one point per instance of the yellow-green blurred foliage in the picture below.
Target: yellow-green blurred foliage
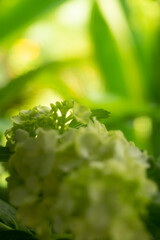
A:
(104, 53)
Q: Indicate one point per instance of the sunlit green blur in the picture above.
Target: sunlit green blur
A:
(104, 53)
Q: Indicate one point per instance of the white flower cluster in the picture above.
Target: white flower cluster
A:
(88, 182)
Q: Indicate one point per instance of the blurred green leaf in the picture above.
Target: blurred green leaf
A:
(4, 124)
(155, 138)
(155, 77)
(155, 69)
(139, 47)
(17, 86)
(106, 53)
(23, 13)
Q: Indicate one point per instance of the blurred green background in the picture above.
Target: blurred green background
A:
(104, 53)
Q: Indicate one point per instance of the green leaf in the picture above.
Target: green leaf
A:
(106, 53)
(100, 114)
(115, 53)
(23, 13)
(155, 69)
(8, 215)
(139, 41)
(75, 124)
(8, 218)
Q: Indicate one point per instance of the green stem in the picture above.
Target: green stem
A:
(4, 226)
